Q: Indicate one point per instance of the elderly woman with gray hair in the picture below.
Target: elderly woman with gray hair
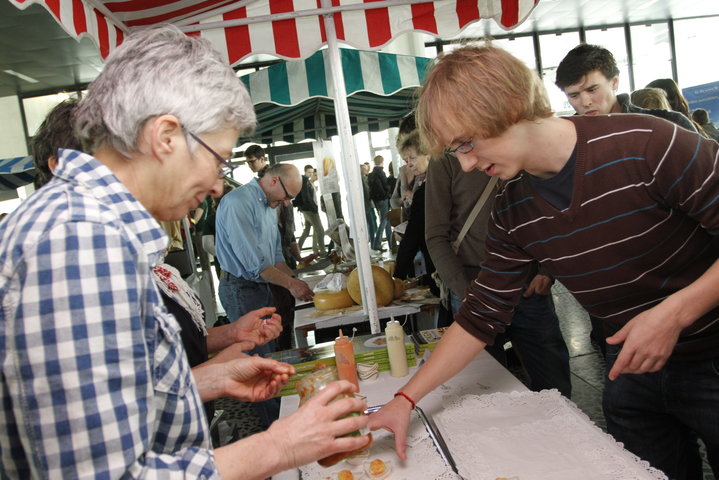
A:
(95, 382)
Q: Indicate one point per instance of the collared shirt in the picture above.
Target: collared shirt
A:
(247, 239)
(95, 383)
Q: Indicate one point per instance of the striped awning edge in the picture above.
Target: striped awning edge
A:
(16, 172)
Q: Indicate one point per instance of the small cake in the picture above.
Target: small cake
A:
(345, 475)
(377, 469)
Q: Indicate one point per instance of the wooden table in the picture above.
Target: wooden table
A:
(309, 318)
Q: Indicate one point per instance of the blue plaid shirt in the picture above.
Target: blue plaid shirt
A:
(95, 382)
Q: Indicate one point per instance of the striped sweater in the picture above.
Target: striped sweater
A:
(640, 226)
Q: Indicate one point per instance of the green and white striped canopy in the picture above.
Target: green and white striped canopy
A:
(293, 100)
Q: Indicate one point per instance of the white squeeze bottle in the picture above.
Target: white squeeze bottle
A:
(396, 349)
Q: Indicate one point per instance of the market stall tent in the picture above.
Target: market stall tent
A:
(16, 172)
(291, 29)
(294, 100)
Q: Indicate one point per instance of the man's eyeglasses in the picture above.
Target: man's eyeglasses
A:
(464, 147)
(288, 197)
(226, 169)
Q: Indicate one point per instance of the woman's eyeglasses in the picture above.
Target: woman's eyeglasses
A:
(226, 169)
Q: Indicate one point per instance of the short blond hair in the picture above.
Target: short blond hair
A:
(484, 87)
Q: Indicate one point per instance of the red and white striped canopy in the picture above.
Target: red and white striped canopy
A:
(284, 28)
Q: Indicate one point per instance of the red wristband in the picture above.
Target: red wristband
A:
(402, 394)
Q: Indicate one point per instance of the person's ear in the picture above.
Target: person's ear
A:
(164, 136)
(52, 163)
(615, 83)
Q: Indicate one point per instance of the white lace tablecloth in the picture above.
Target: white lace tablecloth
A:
(533, 436)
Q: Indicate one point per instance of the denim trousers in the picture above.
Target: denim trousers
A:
(382, 207)
(537, 341)
(238, 297)
(371, 221)
(659, 415)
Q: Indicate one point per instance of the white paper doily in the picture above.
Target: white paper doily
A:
(533, 436)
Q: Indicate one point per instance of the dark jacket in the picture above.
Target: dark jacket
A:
(305, 201)
(378, 185)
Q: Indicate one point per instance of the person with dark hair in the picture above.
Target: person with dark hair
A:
(306, 203)
(677, 102)
(622, 210)
(95, 382)
(368, 204)
(701, 117)
(379, 193)
(54, 133)
(255, 158)
(589, 77)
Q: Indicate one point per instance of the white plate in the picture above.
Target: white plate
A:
(376, 342)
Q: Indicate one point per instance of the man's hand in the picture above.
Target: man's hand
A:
(540, 284)
(304, 261)
(649, 339)
(258, 326)
(300, 290)
(394, 417)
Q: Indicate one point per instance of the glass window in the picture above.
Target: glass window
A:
(363, 147)
(613, 39)
(651, 52)
(553, 48)
(37, 108)
(520, 47)
(695, 45)
(379, 139)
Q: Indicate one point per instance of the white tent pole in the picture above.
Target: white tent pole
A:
(351, 175)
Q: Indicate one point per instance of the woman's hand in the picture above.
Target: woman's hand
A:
(254, 379)
(251, 379)
(314, 430)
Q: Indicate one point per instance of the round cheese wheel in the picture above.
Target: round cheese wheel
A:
(398, 287)
(329, 300)
(383, 286)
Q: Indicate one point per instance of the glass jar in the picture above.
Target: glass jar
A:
(312, 383)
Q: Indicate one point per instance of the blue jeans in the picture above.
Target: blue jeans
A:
(538, 342)
(382, 207)
(238, 297)
(371, 222)
(659, 415)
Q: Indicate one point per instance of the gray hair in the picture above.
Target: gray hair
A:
(160, 71)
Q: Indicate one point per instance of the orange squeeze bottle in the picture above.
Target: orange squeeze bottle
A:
(345, 358)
